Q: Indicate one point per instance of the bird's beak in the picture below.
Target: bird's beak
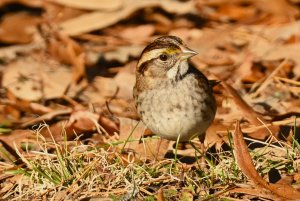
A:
(187, 53)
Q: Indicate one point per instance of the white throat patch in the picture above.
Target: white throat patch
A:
(180, 67)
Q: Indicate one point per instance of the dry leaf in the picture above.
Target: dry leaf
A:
(100, 90)
(91, 4)
(125, 82)
(216, 57)
(252, 116)
(57, 131)
(137, 34)
(250, 191)
(234, 12)
(160, 195)
(46, 117)
(246, 110)
(68, 51)
(31, 79)
(26, 106)
(10, 53)
(279, 11)
(80, 122)
(57, 13)
(30, 3)
(244, 159)
(18, 28)
(132, 131)
(109, 124)
(100, 19)
(212, 138)
(83, 121)
(245, 163)
(122, 53)
(243, 71)
(16, 137)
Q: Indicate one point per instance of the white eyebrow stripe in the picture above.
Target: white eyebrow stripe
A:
(150, 55)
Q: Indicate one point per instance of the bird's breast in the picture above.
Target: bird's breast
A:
(176, 108)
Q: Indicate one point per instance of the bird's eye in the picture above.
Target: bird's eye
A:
(163, 57)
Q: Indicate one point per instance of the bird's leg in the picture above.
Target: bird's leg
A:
(176, 147)
(202, 149)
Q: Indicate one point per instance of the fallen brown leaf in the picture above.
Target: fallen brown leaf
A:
(279, 11)
(18, 28)
(83, 121)
(90, 4)
(246, 110)
(90, 22)
(16, 137)
(46, 117)
(132, 131)
(56, 13)
(100, 89)
(122, 53)
(249, 114)
(212, 138)
(268, 79)
(68, 51)
(245, 163)
(125, 82)
(250, 191)
(26, 106)
(30, 3)
(160, 195)
(111, 126)
(57, 132)
(10, 183)
(80, 122)
(137, 33)
(34, 78)
(243, 71)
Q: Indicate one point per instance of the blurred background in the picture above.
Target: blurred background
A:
(68, 68)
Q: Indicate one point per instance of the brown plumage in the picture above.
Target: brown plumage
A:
(172, 97)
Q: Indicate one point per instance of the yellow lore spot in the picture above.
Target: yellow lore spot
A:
(171, 51)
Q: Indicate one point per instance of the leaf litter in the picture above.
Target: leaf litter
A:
(68, 125)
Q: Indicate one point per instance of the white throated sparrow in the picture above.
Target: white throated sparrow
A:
(172, 98)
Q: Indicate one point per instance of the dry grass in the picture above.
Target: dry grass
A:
(80, 172)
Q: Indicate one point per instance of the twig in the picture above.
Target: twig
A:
(269, 79)
(46, 117)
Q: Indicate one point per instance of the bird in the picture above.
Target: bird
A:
(173, 98)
